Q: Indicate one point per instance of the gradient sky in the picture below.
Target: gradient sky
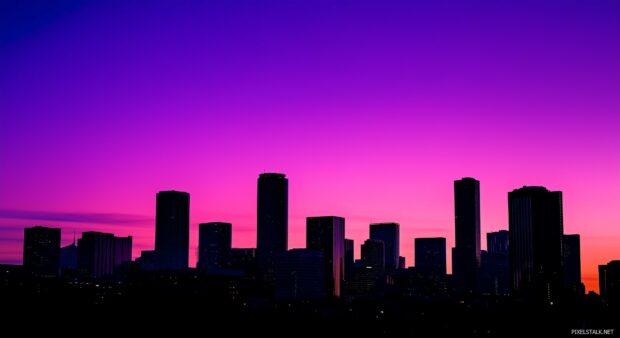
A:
(371, 108)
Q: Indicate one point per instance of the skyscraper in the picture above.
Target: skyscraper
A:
(327, 235)
(349, 258)
(272, 220)
(100, 253)
(497, 242)
(69, 257)
(42, 251)
(389, 234)
(466, 253)
(373, 255)
(214, 245)
(609, 282)
(122, 250)
(430, 255)
(172, 230)
(536, 227)
(495, 274)
(572, 262)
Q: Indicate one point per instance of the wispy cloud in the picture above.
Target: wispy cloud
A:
(78, 217)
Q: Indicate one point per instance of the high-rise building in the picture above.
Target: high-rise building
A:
(214, 244)
(536, 228)
(100, 253)
(389, 234)
(327, 235)
(609, 282)
(466, 253)
(172, 230)
(42, 251)
(497, 242)
(299, 275)
(349, 258)
(69, 257)
(571, 252)
(430, 255)
(272, 221)
(122, 250)
(373, 255)
(147, 260)
(495, 274)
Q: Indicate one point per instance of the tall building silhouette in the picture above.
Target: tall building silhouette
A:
(69, 257)
(430, 255)
(349, 258)
(122, 250)
(147, 260)
(536, 227)
(373, 255)
(214, 245)
(389, 234)
(327, 235)
(100, 253)
(299, 274)
(571, 252)
(609, 282)
(497, 242)
(172, 230)
(495, 273)
(272, 220)
(466, 253)
(42, 251)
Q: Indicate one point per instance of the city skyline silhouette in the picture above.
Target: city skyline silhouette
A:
(383, 115)
(533, 265)
(193, 253)
(280, 160)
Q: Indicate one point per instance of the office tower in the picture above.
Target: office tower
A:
(536, 227)
(100, 253)
(214, 243)
(497, 242)
(172, 230)
(69, 257)
(122, 250)
(299, 275)
(349, 258)
(572, 262)
(42, 251)
(401, 263)
(147, 260)
(495, 273)
(430, 255)
(466, 253)
(327, 235)
(609, 282)
(373, 255)
(243, 259)
(272, 220)
(389, 234)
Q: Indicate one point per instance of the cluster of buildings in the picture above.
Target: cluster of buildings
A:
(533, 260)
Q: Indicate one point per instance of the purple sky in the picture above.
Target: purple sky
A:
(371, 108)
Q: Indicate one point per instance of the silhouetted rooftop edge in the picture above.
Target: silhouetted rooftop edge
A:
(272, 175)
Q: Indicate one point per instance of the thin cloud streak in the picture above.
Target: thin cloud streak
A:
(77, 217)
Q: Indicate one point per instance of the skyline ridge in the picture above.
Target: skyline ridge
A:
(357, 255)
